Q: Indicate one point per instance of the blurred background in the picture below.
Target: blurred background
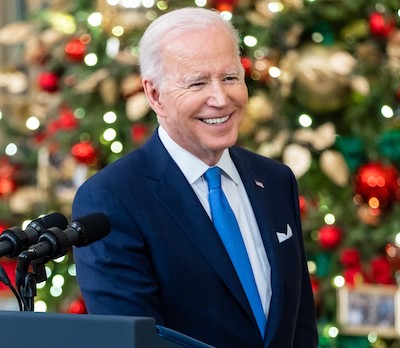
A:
(324, 84)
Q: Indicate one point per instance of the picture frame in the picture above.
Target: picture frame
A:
(366, 309)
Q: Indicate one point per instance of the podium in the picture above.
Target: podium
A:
(48, 330)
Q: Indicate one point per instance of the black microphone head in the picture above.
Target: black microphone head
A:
(91, 228)
(50, 220)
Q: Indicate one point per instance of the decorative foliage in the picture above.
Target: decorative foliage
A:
(324, 98)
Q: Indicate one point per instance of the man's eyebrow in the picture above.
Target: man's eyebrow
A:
(199, 75)
(193, 77)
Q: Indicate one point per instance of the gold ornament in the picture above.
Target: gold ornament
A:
(109, 91)
(16, 33)
(321, 77)
(137, 107)
(321, 138)
(25, 199)
(334, 166)
(298, 158)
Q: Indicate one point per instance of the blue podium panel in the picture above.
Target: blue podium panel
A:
(45, 330)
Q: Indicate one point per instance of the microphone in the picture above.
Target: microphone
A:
(14, 240)
(55, 242)
(81, 232)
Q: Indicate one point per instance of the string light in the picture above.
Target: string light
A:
(372, 337)
(305, 120)
(312, 267)
(339, 281)
(387, 111)
(275, 7)
(40, 306)
(200, 3)
(112, 47)
(116, 147)
(113, 2)
(148, 3)
(397, 239)
(56, 291)
(109, 134)
(91, 59)
(333, 332)
(95, 19)
(274, 72)
(32, 123)
(110, 117)
(118, 30)
(11, 149)
(58, 281)
(250, 41)
(79, 113)
(72, 270)
(329, 219)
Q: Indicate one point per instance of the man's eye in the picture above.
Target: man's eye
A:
(231, 78)
(197, 84)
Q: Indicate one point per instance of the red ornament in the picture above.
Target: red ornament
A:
(378, 185)
(9, 266)
(350, 258)
(67, 119)
(381, 25)
(77, 307)
(7, 186)
(48, 82)
(224, 5)
(351, 262)
(315, 284)
(7, 178)
(139, 133)
(303, 206)
(75, 49)
(3, 226)
(381, 271)
(393, 256)
(329, 236)
(84, 152)
(247, 65)
(353, 276)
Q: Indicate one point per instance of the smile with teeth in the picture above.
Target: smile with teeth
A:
(218, 120)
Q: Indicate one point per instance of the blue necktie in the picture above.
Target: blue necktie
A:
(229, 232)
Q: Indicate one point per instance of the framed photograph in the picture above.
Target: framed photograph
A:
(369, 308)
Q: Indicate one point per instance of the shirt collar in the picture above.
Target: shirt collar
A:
(191, 166)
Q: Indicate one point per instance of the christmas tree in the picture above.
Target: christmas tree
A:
(324, 97)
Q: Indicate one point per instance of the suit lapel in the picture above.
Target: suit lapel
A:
(261, 199)
(170, 187)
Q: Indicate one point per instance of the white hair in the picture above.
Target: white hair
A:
(167, 27)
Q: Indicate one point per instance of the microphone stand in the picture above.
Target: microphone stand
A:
(28, 292)
(6, 281)
(26, 281)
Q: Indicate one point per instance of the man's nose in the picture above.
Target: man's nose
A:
(218, 95)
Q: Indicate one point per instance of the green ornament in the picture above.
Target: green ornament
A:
(352, 342)
(353, 150)
(323, 261)
(389, 145)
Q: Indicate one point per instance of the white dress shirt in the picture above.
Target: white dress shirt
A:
(193, 169)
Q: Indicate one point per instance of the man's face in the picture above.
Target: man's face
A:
(204, 96)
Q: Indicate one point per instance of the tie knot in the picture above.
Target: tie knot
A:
(213, 177)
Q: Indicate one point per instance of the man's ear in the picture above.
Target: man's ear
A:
(153, 96)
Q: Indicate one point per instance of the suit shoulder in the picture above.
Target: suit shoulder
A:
(126, 165)
(254, 159)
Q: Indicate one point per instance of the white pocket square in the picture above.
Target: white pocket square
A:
(285, 236)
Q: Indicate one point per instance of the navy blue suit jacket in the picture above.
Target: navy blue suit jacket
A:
(164, 258)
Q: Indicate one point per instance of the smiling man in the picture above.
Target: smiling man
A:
(206, 236)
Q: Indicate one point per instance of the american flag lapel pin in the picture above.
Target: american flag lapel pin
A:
(259, 183)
